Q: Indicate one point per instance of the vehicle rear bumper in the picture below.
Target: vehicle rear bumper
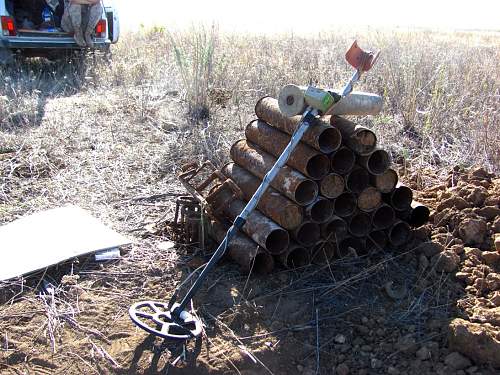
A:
(47, 43)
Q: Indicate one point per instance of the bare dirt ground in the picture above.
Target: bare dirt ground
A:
(116, 151)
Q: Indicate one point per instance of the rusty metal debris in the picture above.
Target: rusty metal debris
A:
(290, 182)
(322, 136)
(305, 159)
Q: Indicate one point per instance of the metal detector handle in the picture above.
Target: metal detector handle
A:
(307, 120)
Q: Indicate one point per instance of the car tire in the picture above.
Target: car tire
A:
(6, 57)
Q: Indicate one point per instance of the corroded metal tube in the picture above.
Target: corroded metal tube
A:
(307, 234)
(383, 217)
(342, 161)
(320, 211)
(323, 252)
(376, 241)
(345, 204)
(332, 185)
(296, 256)
(304, 158)
(335, 230)
(357, 180)
(369, 199)
(399, 233)
(385, 182)
(321, 136)
(417, 215)
(400, 198)
(244, 251)
(377, 163)
(272, 204)
(258, 227)
(351, 245)
(359, 103)
(360, 139)
(359, 224)
(291, 183)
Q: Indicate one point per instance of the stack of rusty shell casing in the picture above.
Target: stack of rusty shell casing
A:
(337, 196)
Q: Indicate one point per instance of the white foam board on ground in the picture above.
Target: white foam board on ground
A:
(50, 237)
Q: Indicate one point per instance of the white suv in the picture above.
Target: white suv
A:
(29, 41)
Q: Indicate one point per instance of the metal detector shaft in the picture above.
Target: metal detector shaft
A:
(307, 119)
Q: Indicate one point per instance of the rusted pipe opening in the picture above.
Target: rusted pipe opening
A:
(357, 180)
(332, 185)
(383, 217)
(306, 192)
(399, 233)
(401, 198)
(322, 253)
(335, 230)
(376, 241)
(263, 263)
(419, 216)
(318, 166)
(385, 182)
(277, 241)
(345, 204)
(369, 199)
(364, 140)
(308, 233)
(320, 211)
(342, 161)
(297, 257)
(378, 162)
(347, 245)
(360, 224)
(329, 140)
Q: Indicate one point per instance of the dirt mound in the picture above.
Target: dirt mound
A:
(463, 230)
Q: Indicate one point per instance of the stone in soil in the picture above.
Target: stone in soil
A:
(480, 342)
(342, 369)
(457, 361)
(472, 231)
(446, 261)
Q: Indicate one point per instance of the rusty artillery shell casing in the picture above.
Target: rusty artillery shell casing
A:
(376, 241)
(360, 139)
(357, 180)
(322, 136)
(359, 224)
(307, 234)
(291, 183)
(258, 227)
(399, 233)
(419, 214)
(272, 204)
(369, 199)
(400, 198)
(343, 160)
(351, 246)
(332, 185)
(296, 256)
(345, 204)
(377, 162)
(244, 251)
(304, 158)
(385, 182)
(334, 230)
(320, 211)
(323, 252)
(383, 217)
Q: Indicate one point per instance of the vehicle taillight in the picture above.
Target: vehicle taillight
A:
(8, 26)
(100, 29)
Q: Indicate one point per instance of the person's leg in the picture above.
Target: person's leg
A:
(95, 14)
(75, 15)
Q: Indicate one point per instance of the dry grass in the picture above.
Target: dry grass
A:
(109, 136)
